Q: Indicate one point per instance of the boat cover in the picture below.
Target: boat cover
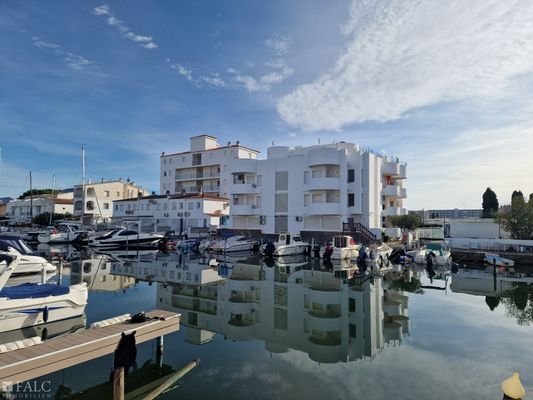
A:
(16, 242)
(33, 290)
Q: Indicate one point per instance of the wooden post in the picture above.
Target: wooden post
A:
(159, 352)
(118, 383)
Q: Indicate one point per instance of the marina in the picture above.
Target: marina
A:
(293, 315)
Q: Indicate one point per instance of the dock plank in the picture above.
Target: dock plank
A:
(65, 351)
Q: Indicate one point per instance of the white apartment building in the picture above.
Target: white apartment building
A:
(96, 204)
(183, 214)
(20, 211)
(316, 189)
(201, 169)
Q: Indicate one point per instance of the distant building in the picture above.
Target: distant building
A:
(184, 214)
(316, 189)
(20, 211)
(3, 206)
(201, 169)
(96, 205)
(455, 213)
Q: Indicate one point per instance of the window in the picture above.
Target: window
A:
(116, 207)
(197, 204)
(118, 194)
(196, 159)
(90, 206)
(165, 206)
(106, 193)
(351, 305)
(174, 205)
(181, 206)
(106, 206)
(164, 173)
(351, 199)
(351, 175)
(353, 330)
(190, 206)
(164, 160)
(170, 160)
(282, 180)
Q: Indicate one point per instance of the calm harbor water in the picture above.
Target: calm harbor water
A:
(293, 330)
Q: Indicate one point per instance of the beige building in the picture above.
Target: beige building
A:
(96, 204)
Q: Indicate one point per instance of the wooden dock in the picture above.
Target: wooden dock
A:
(65, 351)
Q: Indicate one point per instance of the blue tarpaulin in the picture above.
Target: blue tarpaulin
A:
(33, 290)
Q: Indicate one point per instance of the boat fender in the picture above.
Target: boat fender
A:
(45, 314)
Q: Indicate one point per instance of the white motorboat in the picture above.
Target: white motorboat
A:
(438, 251)
(344, 248)
(66, 232)
(28, 263)
(45, 331)
(496, 259)
(375, 256)
(234, 243)
(285, 245)
(124, 237)
(34, 304)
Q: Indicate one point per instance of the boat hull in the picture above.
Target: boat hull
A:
(26, 312)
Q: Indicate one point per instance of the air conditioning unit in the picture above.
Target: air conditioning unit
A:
(187, 214)
(254, 206)
(180, 214)
(166, 215)
(299, 280)
(254, 185)
(262, 220)
(299, 219)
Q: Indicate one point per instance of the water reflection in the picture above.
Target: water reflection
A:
(287, 305)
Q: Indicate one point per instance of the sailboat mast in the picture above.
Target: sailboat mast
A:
(83, 181)
(31, 201)
(53, 201)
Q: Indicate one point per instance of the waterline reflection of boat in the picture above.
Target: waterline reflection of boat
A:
(33, 304)
(45, 331)
(28, 262)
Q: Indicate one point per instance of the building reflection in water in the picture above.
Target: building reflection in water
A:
(288, 305)
(95, 270)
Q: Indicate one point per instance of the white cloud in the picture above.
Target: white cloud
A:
(72, 60)
(144, 41)
(281, 45)
(406, 54)
(279, 71)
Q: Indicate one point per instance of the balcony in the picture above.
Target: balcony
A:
(391, 168)
(324, 322)
(403, 171)
(324, 156)
(323, 184)
(394, 191)
(244, 209)
(242, 166)
(244, 188)
(322, 209)
(392, 211)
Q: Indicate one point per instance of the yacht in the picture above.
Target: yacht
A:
(344, 248)
(234, 243)
(124, 237)
(66, 232)
(496, 259)
(32, 304)
(28, 263)
(286, 244)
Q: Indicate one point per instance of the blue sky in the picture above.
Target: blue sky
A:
(444, 86)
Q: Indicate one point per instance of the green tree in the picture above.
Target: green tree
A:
(36, 192)
(44, 218)
(519, 220)
(490, 203)
(409, 221)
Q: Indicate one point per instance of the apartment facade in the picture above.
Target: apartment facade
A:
(316, 189)
(96, 204)
(201, 169)
(20, 211)
(183, 214)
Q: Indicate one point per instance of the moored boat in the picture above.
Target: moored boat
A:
(28, 262)
(286, 244)
(496, 259)
(124, 237)
(32, 304)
